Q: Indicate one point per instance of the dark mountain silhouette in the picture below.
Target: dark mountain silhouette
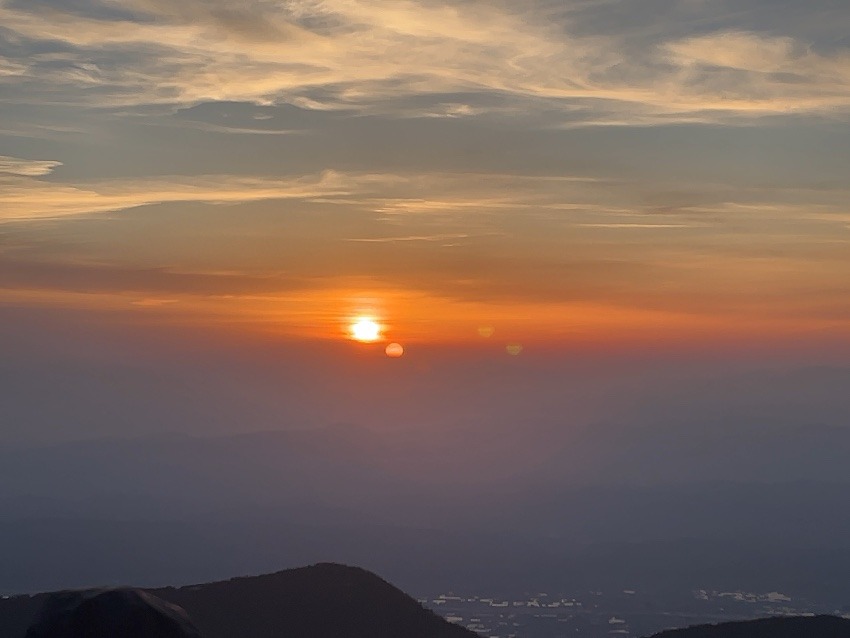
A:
(321, 601)
(796, 627)
(107, 613)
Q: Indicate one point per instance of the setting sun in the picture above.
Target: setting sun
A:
(365, 329)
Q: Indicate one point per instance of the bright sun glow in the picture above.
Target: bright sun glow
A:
(365, 329)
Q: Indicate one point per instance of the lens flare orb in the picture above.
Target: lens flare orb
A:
(394, 350)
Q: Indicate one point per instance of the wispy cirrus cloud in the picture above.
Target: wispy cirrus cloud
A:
(24, 198)
(26, 168)
(330, 54)
(449, 204)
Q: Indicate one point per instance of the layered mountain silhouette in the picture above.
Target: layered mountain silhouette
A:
(326, 600)
(795, 627)
(321, 601)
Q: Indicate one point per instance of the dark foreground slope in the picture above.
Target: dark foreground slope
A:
(321, 601)
(110, 613)
(811, 627)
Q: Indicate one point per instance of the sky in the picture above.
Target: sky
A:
(486, 181)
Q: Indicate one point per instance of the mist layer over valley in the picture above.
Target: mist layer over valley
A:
(704, 473)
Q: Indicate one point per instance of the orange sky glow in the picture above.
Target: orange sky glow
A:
(556, 176)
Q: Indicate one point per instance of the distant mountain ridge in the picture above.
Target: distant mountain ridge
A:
(794, 627)
(329, 600)
(325, 600)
